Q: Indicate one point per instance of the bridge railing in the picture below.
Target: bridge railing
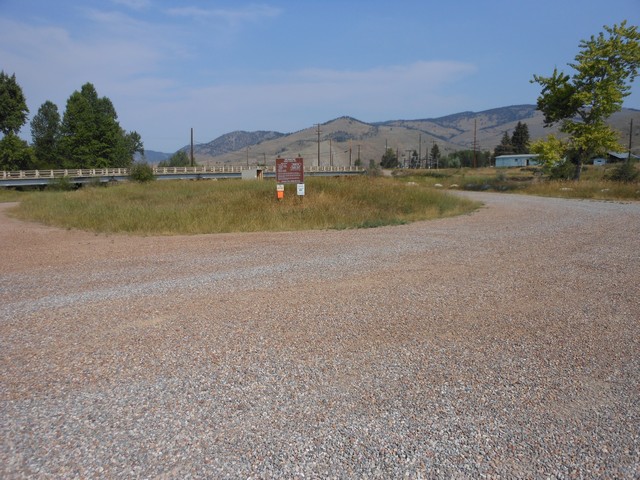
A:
(67, 172)
(103, 172)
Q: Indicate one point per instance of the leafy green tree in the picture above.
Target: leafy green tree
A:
(389, 159)
(520, 138)
(45, 133)
(15, 153)
(91, 136)
(467, 158)
(551, 151)
(178, 159)
(125, 146)
(13, 105)
(581, 102)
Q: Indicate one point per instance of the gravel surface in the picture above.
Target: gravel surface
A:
(501, 344)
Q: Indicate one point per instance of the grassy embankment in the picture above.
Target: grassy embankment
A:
(195, 207)
(593, 184)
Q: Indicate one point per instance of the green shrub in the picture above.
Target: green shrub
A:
(562, 171)
(61, 184)
(142, 172)
(94, 183)
(625, 172)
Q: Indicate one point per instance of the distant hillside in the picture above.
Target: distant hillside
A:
(232, 142)
(345, 139)
(153, 157)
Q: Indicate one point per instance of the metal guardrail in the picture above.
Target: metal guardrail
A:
(85, 175)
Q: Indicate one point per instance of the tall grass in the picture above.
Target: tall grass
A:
(594, 182)
(194, 207)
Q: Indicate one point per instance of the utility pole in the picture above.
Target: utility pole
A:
(474, 143)
(192, 146)
(330, 154)
(431, 158)
(318, 132)
(359, 162)
(420, 151)
(630, 137)
(247, 157)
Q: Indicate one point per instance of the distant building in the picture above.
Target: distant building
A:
(520, 160)
(620, 156)
(254, 173)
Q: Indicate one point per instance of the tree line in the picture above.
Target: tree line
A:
(86, 135)
(579, 102)
(517, 143)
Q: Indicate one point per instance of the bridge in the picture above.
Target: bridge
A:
(104, 175)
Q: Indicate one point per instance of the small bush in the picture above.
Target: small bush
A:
(142, 172)
(61, 184)
(562, 171)
(95, 183)
(625, 172)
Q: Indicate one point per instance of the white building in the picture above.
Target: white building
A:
(520, 160)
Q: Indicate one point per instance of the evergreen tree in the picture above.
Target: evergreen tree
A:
(389, 159)
(45, 133)
(413, 160)
(520, 138)
(13, 105)
(505, 147)
(435, 154)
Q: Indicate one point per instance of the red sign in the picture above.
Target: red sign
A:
(289, 170)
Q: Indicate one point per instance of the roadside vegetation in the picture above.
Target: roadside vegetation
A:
(597, 182)
(199, 207)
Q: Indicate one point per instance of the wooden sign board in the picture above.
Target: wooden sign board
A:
(289, 170)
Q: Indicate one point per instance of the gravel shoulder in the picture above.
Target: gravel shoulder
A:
(505, 343)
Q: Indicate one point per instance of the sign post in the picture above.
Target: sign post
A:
(289, 170)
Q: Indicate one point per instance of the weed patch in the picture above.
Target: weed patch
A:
(194, 207)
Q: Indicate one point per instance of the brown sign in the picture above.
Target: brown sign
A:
(289, 170)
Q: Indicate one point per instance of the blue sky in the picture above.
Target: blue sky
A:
(218, 66)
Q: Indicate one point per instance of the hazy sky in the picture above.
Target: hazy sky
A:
(218, 66)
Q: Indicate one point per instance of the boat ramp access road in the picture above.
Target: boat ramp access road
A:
(25, 178)
(500, 344)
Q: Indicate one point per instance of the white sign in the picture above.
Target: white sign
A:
(280, 187)
(301, 189)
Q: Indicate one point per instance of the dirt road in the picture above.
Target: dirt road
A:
(504, 343)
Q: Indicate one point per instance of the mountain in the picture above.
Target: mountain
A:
(152, 156)
(345, 139)
(232, 142)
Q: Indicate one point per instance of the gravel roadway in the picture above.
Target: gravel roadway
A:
(500, 344)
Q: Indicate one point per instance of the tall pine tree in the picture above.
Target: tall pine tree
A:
(505, 147)
(520, 138)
